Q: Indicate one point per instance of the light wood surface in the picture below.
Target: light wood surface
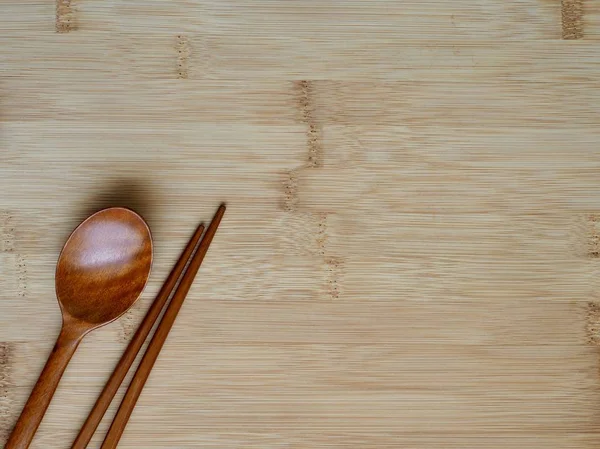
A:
(411, 252)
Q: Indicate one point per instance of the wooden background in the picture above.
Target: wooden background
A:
(411, 254)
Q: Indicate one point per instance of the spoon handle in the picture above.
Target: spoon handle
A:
(42, 392)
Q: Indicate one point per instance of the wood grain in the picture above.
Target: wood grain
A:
(410, 256)
(572, 19)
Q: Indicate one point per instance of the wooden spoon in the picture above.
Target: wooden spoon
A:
(101, 271)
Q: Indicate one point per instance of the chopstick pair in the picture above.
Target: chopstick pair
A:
(156, 343)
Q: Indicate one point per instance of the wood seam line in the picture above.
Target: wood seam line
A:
(306, 105)
(183, 56)
(65, 16)
(290, 187)
(7, 245)
(6, 410)
(572, 19)
(7, 232)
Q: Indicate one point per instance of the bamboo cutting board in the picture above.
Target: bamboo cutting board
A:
(411, 252)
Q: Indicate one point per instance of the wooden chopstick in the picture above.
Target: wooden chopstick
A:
(128, 357)
(162, 331)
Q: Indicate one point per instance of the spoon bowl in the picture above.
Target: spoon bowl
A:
(101, 271)
(104, 266)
